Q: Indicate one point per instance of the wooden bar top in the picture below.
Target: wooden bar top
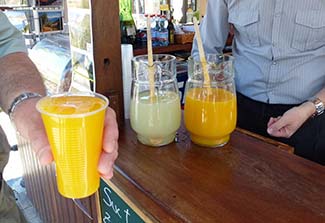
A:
(247, 180)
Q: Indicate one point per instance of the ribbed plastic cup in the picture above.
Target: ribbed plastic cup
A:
(74, 125)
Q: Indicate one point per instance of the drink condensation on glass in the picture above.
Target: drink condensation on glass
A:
(74, 125)
(155, 119)
(210, 112)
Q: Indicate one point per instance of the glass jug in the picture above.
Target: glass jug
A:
(210, 111)
(155, 117)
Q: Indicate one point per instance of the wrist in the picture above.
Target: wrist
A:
(21, 99)
(25, 116)
(318, 106)
(308, 109)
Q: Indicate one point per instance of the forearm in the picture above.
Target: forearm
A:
(18, 74)
(287, 124)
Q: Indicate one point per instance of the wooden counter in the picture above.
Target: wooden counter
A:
(248, 180)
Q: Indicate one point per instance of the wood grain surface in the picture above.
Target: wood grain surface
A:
(247, 180)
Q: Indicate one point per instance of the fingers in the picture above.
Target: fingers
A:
(277, 127)
(272, 120)
(41, 146)
(33, 129)
(106, 163)
(110, 145)
(111, 134)
(278, 132)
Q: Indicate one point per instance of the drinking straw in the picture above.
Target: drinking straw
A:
(151, 69)
(202, 54)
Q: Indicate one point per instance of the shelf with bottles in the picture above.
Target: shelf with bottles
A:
(177, 47)
(162, 30)
(141, 49)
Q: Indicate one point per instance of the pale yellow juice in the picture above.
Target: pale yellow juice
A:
(157, 121)
(74, 125)
(210, 115)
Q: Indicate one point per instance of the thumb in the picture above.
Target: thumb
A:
(45, 155)
(40, 145)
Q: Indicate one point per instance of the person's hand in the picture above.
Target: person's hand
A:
(31, 127)
(110, 145)
(287, 124)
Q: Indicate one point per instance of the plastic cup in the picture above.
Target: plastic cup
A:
(74, 125)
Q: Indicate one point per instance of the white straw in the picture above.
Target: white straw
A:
(201, 53)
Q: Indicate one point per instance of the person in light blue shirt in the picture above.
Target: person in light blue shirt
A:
(279, 51)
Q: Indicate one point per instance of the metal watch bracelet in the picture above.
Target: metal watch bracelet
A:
(319, 106)
(21, 98)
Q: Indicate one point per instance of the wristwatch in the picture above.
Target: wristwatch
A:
(319, 106)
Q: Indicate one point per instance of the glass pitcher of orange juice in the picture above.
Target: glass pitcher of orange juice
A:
(210, 112)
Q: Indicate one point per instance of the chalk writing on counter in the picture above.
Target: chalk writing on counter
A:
(110, 204)
(114, 209)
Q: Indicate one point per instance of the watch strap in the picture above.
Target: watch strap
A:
(21, 98)
(319, 106)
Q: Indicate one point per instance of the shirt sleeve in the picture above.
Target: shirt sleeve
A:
(11, 39)
(214, 28)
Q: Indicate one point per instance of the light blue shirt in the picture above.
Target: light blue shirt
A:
(11, 39)
(279, 46)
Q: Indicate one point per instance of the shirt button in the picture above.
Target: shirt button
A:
(273, 63)
(277, 15)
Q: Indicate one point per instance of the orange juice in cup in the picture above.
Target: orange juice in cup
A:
(74, 125)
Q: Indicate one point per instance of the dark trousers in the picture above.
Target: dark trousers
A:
(308, 141)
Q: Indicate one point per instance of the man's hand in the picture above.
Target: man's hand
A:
(286, 125)
(31, 127)
(17, 75)
(110, 145)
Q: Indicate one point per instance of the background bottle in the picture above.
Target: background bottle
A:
(155, 30)
(171, 30)
(127, 25)
(163, 31)
(189, 14)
